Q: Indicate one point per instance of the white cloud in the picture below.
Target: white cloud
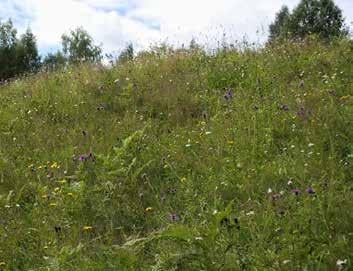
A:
(117, 22)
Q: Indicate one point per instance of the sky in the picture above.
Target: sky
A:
(115, 23)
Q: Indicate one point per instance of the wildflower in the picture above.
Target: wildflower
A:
(284, 107)
(174, 217)
(250, 213)
(310, 190)
(340, 263)
(208, 133)
(70, 194)
(82, 157)
(296, 191)
(53, 204)
(183, 180)
(63, 181)
(311, 145)
(56, 189)
(148, 209)
(230, 142)
(275, 197)
(87, 228)
(2, 263)
(55, 165)
(228, 94)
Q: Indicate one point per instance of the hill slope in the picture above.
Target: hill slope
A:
(182, 161)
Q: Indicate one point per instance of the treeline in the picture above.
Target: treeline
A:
(19, 55)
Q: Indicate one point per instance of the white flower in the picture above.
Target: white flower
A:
(341, 263)
(269, 191)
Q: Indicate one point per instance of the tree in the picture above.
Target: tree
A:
(54, 60)
(127, 54)
(8, 43)
(78, 47)
(28, 59)
(320, 17)
(280, 27)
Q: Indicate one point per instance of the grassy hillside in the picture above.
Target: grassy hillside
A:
(239, 160)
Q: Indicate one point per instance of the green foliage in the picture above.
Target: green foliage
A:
(54, 61)
(27, 53)
(78, 47)
(127, 54)
(182, 160)
(17, 56)
(320, 17)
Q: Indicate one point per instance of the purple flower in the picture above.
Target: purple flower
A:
(82, 157)
(310, 190)
(296, 191)
(228, 94)
(174, 217)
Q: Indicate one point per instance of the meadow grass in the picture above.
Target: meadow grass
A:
(182, 160)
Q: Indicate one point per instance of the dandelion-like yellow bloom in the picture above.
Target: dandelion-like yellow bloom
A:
(87, 228)
(63, 181)
(183, 180)
(55, 165)
(148, 209)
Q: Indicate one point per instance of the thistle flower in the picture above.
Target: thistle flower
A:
(296, 191)
(228, 95)
(310, 190)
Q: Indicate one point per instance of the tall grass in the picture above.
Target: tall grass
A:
(182, 160)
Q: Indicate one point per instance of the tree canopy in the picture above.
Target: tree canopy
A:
(320, 17)
(17, 56)
(78, 47)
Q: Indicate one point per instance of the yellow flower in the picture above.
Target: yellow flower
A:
(63, 181)
(87, 228)
(148, 209)
(2, 263)
(183, 180)
(343, 98)
(53, 204)
(55, 165)
(70, 194)
(230, 142)
(56, 189)
(40, 167)
(31, 166)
